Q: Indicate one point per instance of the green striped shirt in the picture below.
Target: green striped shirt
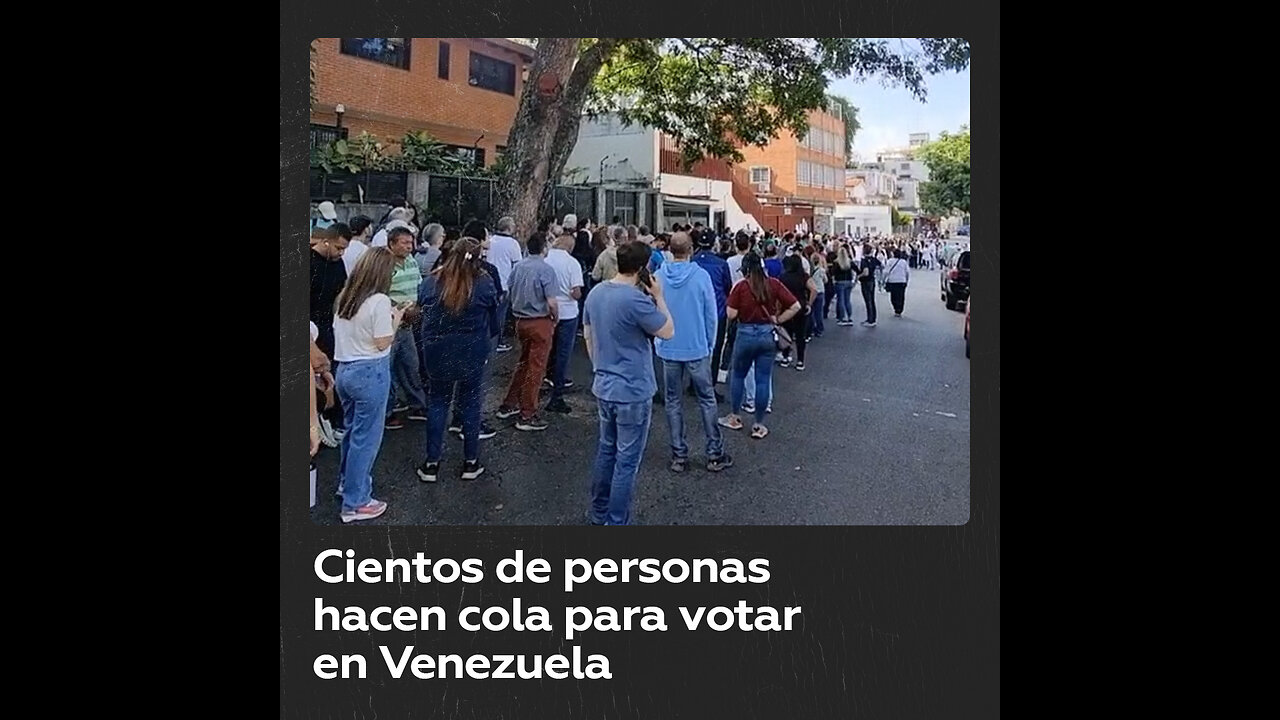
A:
(404, 281)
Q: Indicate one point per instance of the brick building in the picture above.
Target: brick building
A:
(800, 179)
(463, 91)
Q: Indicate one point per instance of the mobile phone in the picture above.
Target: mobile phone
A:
(643, 277)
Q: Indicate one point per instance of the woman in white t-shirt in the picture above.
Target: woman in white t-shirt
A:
(364, 326)
(896, 275)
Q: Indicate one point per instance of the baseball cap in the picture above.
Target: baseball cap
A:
(326, 210)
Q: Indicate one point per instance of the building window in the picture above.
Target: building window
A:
(388, 51)
(473, 155)
(759, 176)
(493, 74)
(325, 134)
(443, 70)
(802, 173)
(905, 166)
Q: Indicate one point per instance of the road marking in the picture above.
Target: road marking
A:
(944, 414)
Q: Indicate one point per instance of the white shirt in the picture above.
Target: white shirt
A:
(352, 254)
(735, 268)
(504, 253)
(315, 332)
(380, 240)
(569, 273)
(353, 339)
(804, 262)
(896, 271)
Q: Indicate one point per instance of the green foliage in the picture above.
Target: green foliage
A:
(711, 94)
(896, 218)
(948, 187)
(851, 125)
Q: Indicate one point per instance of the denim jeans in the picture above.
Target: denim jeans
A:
(566, 334)
(504, 319)
(363, 386)
(700, 372)
(439, 396)
(869, 297)
(753, 349)
(749, 386)
(624, 431)
(405, 375)
(816, 326)
(844, 308)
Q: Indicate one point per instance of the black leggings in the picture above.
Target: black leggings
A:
(796, 326)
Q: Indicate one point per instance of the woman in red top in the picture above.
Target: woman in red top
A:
(758, 303)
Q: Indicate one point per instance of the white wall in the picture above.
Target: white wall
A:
(868, 219)
(718, 191)
(605, 139)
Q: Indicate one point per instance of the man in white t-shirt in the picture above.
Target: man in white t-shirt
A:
(399, 217)
(360, 227)
(503, 253)
(569, 276)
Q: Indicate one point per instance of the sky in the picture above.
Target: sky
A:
(888, 115)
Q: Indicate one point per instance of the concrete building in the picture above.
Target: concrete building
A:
(870, 184)
(863, 220)
(463, 91)
(908, 172)
(800, 179)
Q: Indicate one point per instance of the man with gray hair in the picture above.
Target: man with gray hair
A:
(399, 217)
(504, 253)
(427, 253)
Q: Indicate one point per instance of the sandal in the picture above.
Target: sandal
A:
(730, 421)
(759, 431)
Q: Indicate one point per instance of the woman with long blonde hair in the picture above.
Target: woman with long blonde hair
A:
(364, 327)
(842, 273)
(459, 324)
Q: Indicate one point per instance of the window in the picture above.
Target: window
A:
(388, 51)
(492, 74)
(905, 166)
(802, 173)
(325, 134)
(443, 69)
(473, 155)
(759, 176)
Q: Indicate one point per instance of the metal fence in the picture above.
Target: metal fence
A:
(621, 203)
(377, 187)
(453, 200)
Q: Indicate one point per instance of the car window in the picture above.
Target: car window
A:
(963, 261)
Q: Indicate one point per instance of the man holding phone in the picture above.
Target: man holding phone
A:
(405, 278)
(618, 319)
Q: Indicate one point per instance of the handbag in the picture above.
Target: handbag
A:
(782, 339)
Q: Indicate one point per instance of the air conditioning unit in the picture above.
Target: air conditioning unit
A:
(762, 187)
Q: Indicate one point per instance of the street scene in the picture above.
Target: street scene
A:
(532, 258)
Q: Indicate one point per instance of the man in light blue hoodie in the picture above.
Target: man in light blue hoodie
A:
(687, 288)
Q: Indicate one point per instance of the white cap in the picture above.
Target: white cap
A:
(326, 210)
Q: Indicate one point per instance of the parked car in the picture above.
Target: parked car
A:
(968, 305)
(955, 280)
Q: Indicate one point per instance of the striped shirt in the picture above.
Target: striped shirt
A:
(405, 278)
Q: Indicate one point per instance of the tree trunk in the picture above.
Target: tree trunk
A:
(546, 128)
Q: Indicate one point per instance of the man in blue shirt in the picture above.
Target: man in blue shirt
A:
(721, 283)
(772, 264)
(618, 319)
(689, 352)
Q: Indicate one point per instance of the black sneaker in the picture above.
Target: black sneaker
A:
(720, 463)
(568, 384)
(455, 427)
(559, 406)
(486, 432)
(505, 412)
(503, 347)
(429, 471)
(472, 469)
(418, 415)
(800, 366)
(533, 424)
(548, 382)
(678, 465)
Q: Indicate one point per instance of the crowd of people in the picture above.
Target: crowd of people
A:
(405, 322)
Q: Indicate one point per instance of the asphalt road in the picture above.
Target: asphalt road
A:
(875, 431)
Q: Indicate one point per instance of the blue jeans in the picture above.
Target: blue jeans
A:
(816, 326)
(439, 398)
(405, 374)
(624, 431)
(753, 349)
(749, 386)
(566, 334)
(363, 386)
(700, 372)
(844, 308)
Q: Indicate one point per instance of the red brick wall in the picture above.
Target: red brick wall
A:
(388, 101)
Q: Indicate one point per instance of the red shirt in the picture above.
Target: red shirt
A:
(750, 311)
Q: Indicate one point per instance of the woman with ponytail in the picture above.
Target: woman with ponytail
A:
(459, 323)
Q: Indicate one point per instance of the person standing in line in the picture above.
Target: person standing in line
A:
(687, 286)
(896, 276)
(364, 327)
(772, 265)
(328, 216)
(533, 302)
(802, 287)
(620, 317)
(607, 261)
(871, 268)
(406, 375)
(361, 227)
(759, 303)
(503, 253)
(843, 273)
(569, 289)
(742, 245)
(328, 276)
(398, 217)
(819, 264)
(460, 319)
(429, 251)
(721, 282)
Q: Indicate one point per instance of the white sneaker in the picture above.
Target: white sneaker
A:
(326, 434)
(369, 511)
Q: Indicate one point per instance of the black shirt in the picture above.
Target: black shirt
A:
(870, 263)
(798, 284)
(327, 279)
(838, 274)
